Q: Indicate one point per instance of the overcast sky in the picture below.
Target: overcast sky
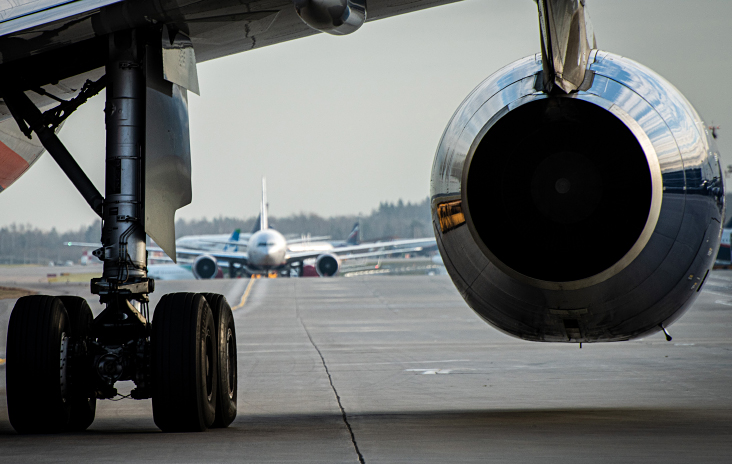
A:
(338, 124)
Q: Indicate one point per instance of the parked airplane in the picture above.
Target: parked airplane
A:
(267, 251)
(546, 151)
(161, 267)
(237, 240)
(294, 243)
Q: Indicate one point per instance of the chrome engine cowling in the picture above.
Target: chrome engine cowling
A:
(593, 216)
(327, 265)
(205, 267)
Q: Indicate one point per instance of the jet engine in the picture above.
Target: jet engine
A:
(205, 267)
(336, 17)
(583, 217)
(327, 265)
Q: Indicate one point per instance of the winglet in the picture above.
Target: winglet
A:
(263, 222)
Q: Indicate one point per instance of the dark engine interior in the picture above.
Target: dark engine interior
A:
(559, 189)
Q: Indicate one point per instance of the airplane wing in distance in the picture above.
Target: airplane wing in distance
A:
(389, 247)
(83, 244)
(328, 263)
(308, 239)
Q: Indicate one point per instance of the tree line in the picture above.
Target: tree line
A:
(24, 244)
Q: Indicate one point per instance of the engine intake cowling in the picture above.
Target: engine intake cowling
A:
(327, 265)
(205, 267)
(593, 216)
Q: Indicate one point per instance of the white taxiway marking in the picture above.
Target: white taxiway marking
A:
(723, 302)
(404, 362)
(436, 371)
(716, 293)
(430, 371)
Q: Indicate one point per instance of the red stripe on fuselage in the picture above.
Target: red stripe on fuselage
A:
(12, 166)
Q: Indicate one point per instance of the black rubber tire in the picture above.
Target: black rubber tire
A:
(36, 329)
(82, 398)
(227, 364)
(184, 364)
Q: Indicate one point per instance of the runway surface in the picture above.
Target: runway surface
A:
(406, 367)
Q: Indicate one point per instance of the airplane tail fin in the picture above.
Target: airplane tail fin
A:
(354, 237)
(234, 238)
(263, 220)
(257, 224)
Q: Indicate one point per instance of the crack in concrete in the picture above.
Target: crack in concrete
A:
(361, 459)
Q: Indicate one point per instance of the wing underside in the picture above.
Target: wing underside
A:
(216, 27)
(58, 44)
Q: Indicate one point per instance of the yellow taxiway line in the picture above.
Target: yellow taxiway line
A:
(245, 295)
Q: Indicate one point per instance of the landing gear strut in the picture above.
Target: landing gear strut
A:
(59, 360)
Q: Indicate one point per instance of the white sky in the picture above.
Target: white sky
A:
(338, 124)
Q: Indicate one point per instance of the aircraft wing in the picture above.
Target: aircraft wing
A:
(212, 241)
(308, 239)
(26, 14)
(188, 255)
(372, 254)
(216, 28)
(83, 244)
(368, 249)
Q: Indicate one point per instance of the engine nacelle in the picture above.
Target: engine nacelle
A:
(205, 267)
(588, 217)
(327, 265)
(337, 17)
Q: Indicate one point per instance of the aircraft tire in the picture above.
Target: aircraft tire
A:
(82, 399)
(38, 333)
(227, 363)
(184, 364)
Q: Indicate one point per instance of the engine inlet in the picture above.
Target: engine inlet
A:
(558, 189)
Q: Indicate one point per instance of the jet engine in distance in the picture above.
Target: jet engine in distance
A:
(582, 217)
(205, 267)
(327, 265)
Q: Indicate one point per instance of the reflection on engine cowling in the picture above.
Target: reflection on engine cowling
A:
(593, 216)
(205, 267)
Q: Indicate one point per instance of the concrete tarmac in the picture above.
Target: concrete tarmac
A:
(399, 369)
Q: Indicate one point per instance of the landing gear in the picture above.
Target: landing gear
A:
(227, 373)
(185, 361)
(37, 371)
(60, 359)
(82, 397)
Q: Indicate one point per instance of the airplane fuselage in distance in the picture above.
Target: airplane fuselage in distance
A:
(267, 249)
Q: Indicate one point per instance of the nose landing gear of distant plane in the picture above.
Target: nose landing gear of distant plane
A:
(60, 360)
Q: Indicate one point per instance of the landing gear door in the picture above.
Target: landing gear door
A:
(167, 164)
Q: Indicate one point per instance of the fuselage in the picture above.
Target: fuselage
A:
(266, 249)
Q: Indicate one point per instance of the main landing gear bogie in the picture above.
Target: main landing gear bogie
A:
(227, 365)
(60, 361)
(37, 371)
(184, 364)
